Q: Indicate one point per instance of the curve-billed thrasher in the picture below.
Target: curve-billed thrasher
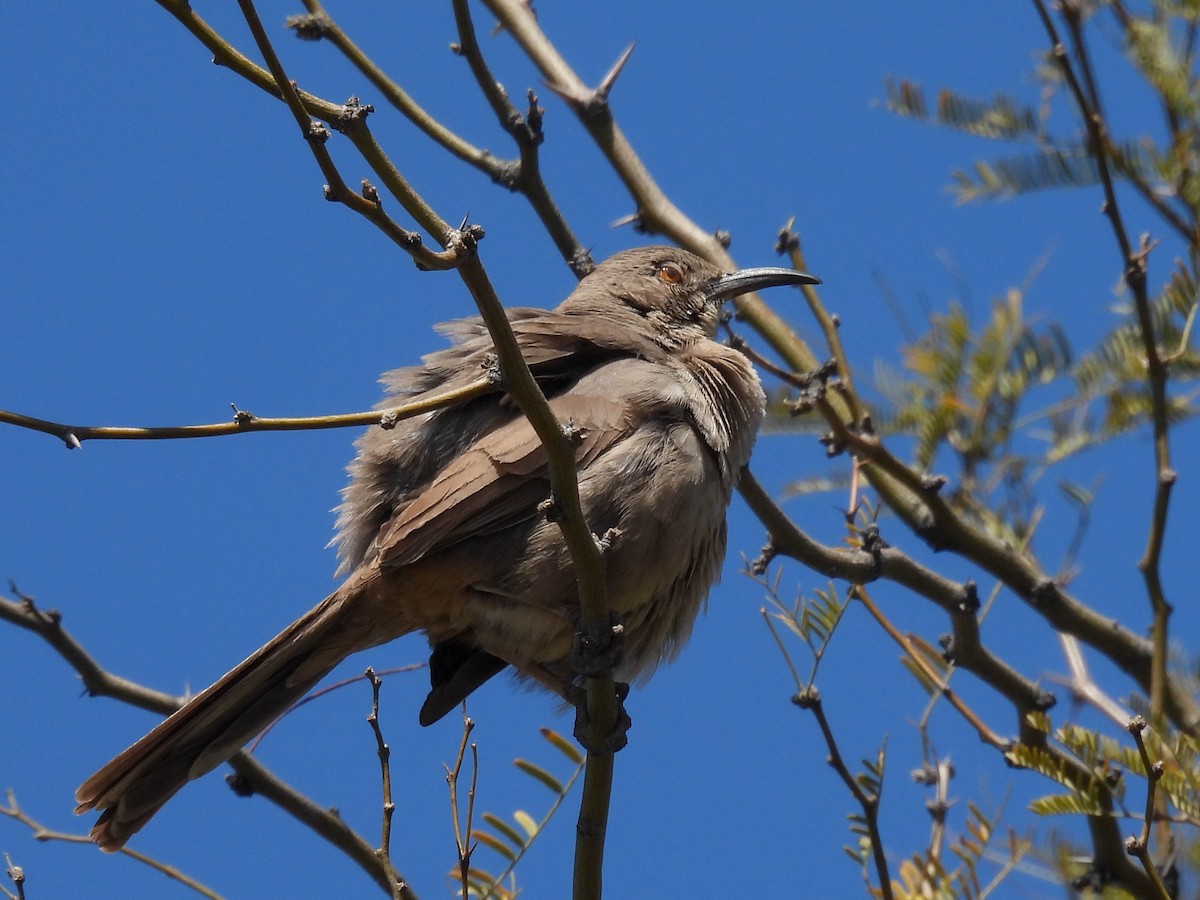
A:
(440, 530)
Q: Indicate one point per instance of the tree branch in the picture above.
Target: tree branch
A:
(251, 777)
(244, 422)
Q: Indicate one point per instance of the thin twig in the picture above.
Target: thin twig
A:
(810, 699)
(244, 422)
(986, 734)
(1134, 266)
(601, 701)
(318, 23)
(525, 175)
(789, 242)
(350, 118)
(1140, 846)
(569, 750)
(463, 845)
(329, 689)
(16, 875)
(251, 776)
(315, 135)
(41, 833)
(384, 852)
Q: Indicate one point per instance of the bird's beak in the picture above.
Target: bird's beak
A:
(743, 281)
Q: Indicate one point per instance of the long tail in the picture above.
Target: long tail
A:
(214, 724)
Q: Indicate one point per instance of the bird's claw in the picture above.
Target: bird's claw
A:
(616, 738)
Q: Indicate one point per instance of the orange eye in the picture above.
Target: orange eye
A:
(671, 273)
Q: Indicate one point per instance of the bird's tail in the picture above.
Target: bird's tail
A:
(214, 724)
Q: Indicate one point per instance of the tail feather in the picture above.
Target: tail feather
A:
(214, 724)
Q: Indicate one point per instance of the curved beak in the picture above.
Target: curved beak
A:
(743, 281)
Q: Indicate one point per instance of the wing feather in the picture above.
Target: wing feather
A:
(499, 480)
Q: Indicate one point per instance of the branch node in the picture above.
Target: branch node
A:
(242, 416)
(808, 697)
(949, 652)
(506, 173)
(1044, 593)
(592, 106)
(873, 543)
(604, 544)
(969, 601)
(833, 444)
(533, 119)
(933, 484)
(581, 262)
(240, 784)
(550, 509)
(573, 433)
(492, 370)
(595, 654)
(353, 112)
(317, 133)
(1044, 700)
(637, 219)
(765, 557)
(787, 240)
(309, 27)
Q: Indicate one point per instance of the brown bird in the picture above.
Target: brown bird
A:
(440, 531)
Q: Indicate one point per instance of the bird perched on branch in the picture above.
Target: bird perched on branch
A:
(442, 528)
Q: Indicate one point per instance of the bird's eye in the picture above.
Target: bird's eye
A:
(671, 273)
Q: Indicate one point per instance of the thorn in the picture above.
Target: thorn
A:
(636, 219)
(592, 104)
(607, 82)
(787, 239)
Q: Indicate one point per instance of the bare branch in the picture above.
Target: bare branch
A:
(40, 832)
(244, 422)
(250, 777)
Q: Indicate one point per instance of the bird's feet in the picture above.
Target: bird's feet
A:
(616, 737)
(594, 655)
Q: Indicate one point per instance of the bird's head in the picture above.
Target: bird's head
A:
(674, 290)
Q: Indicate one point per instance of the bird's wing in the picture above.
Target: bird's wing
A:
(500, 479)
(555, 346)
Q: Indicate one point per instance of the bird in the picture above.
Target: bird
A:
(442, 528)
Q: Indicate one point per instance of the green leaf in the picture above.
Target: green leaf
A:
(526, 821)
(490, 840)
(535, 771)
(1044, 169)
(564, 746)
(1001, 117)
(1079, 804)
(514, 837)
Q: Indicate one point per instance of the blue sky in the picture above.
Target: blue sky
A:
(168, 252)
